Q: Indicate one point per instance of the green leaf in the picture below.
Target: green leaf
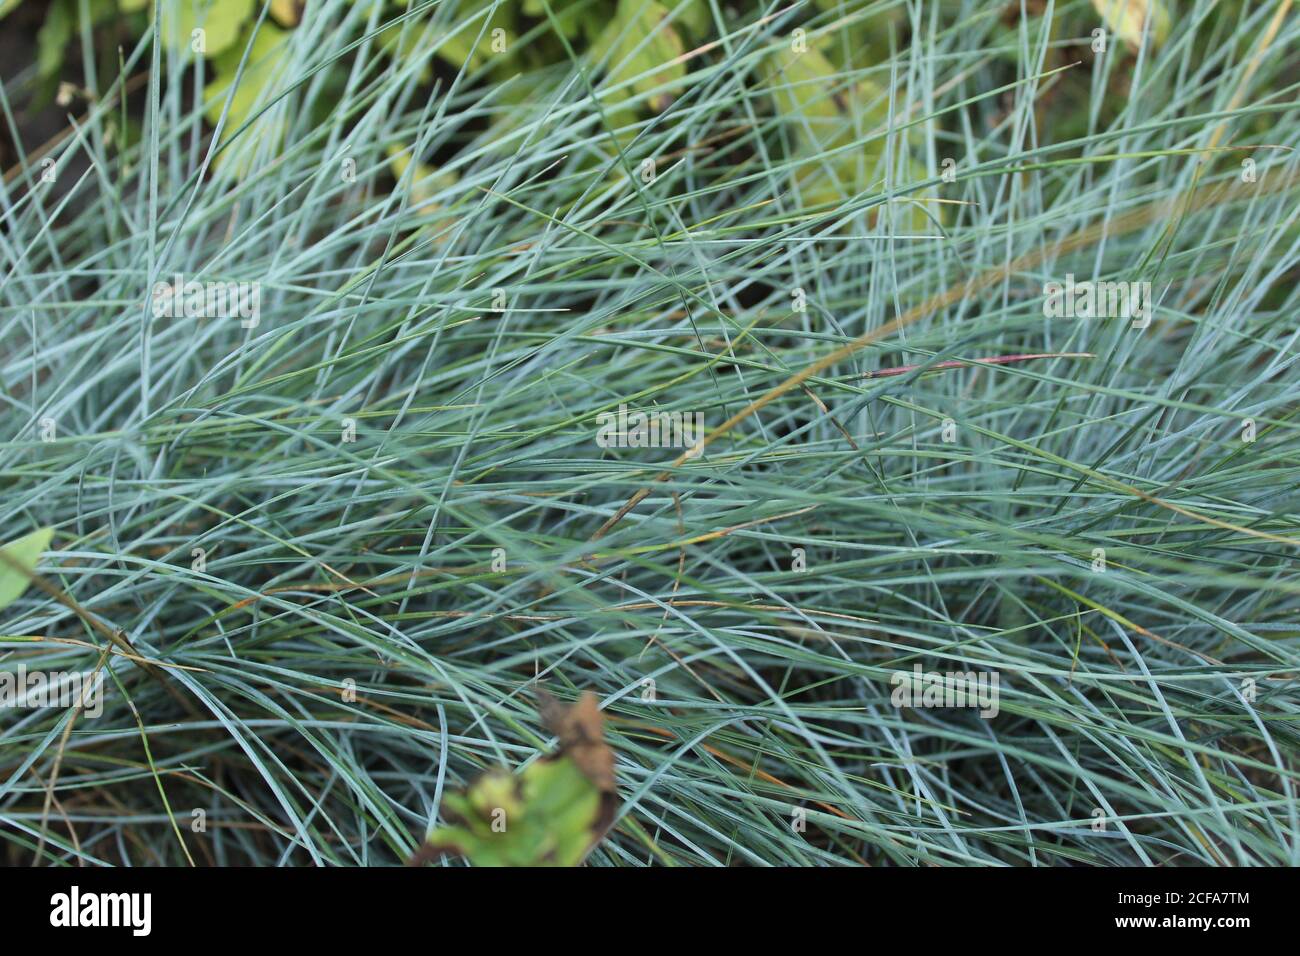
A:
(551, 813)
(25, 553)
(60, 28)
(694, 16)
(571, 17)
(863, 40)
(53, 37)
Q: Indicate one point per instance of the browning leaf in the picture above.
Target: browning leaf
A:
(582, 738)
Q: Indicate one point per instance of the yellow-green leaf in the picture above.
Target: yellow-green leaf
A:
(403, 41)
(694, 16)
(813, 101)
(23, 555)
(1126, 19)
(264, 61)
(807, 87)
(285, 12)
(467, 47)
(826, 122)
(644, 49)
(220, 20)
(426, 181)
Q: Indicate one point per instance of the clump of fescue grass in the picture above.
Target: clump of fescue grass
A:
(370, 566)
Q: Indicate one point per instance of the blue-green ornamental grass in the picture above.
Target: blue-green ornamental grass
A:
(326, 559)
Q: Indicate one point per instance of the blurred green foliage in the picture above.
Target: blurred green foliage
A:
(544, 816)
(641, 49)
